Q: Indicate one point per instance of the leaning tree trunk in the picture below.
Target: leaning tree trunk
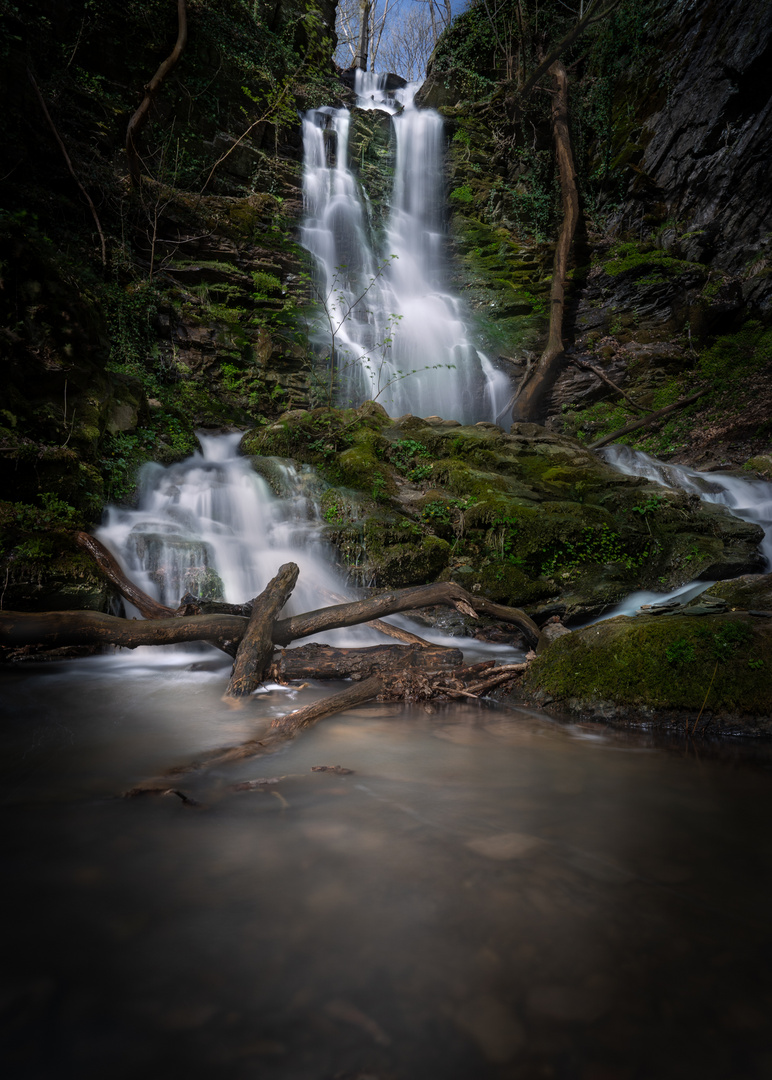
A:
(53, 629)
(139, 118)
(531, 394)
(256, 648)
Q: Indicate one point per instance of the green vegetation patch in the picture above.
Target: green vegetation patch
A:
(644, 261)
(723, 662)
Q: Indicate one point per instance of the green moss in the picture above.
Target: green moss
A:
(734, 355)
(628, 257)
(753, 592)
(506, 583)
(403, 565)
(463, 194)
(724, 662)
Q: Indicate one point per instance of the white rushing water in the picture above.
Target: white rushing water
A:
(399, 335)
(749, 499)
(212, 526)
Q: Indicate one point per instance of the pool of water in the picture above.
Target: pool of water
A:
(488, 893)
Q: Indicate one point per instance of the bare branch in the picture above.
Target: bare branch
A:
(66, 157)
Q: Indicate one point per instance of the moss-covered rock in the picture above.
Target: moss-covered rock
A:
(663, 669)
(38, 578)
(748, 593)
(528, 518)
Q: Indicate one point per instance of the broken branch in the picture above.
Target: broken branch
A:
(646, 420)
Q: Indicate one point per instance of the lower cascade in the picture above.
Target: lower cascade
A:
(212, 526)
(395, 334)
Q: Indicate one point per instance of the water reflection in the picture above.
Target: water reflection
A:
(487, 894)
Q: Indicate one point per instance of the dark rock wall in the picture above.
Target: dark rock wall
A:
(709, 151)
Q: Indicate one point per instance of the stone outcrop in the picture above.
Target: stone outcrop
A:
(528, 518)
(668, 672)
(706, 153)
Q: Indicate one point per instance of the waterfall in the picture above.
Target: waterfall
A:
(749, 499)
(398, 336)
(212, 526)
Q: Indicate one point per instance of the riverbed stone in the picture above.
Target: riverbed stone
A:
(750, 592)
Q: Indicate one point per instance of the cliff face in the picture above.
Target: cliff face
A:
(709, 152)
(670, 289)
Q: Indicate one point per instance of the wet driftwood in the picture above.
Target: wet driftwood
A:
(107, 563)
(55, 628)
(256, 648)
(326, 662)
(359, 611)
(412, 675)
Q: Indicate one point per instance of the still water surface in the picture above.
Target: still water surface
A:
(489, 893)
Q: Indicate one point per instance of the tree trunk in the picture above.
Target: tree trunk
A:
(139, 119)
(326, 662)
(55, 628)
(360, 60)
(529, 400)
(256, 648)
(52, 629)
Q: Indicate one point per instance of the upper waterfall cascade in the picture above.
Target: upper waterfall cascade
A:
(399, 336)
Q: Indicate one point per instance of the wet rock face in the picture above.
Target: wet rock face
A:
(530, 518)
(749, 592)
(708, 156)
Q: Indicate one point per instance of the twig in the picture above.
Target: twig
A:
(604, 378)
(696, 722)
(66, 156)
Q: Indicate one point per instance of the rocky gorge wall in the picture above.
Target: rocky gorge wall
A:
(670, 286)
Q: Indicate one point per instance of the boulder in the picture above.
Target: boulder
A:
(663, 671)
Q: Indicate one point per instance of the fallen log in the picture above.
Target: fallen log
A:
(352, 613)
(646, 421)
(518, 618)
(358, 611)
(256, 647)
(53, 629)
(326, 662)
(56, 628)
(354, 695)
(411, 675)
(282, 729)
